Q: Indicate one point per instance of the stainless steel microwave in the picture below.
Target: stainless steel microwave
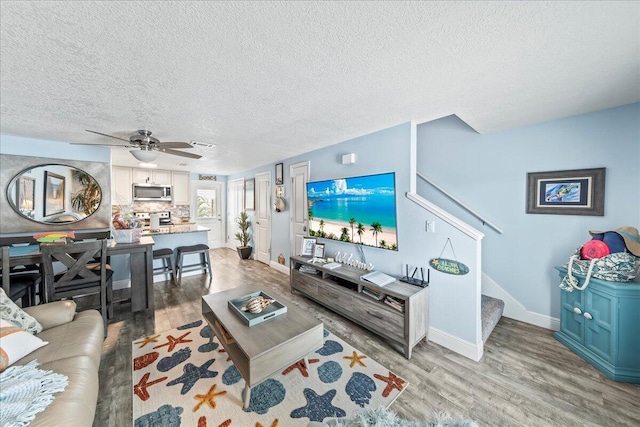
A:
(152, 192)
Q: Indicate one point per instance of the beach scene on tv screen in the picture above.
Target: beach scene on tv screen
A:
(359, 210)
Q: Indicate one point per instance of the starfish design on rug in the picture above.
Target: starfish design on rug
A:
(356, 359)
(318, 407)
(209, 398)
(147, 340)
(275, 423)
(192, 374)
(140, 389)
(393, 382)
(145, 360)
(202, 422)
(301, 367)
(173, 342)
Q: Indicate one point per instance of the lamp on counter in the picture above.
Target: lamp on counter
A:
(146, 156)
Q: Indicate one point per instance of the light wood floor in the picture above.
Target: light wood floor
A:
(525, 378)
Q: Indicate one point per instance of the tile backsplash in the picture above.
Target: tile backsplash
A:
(178, 211)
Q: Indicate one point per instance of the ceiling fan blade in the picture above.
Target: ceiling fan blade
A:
(110, 136)
(174, 145)
(179, 153)
(105, 145)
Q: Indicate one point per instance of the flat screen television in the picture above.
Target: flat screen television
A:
(360, 210)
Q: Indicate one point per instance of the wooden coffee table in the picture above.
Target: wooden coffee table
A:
(264, 349)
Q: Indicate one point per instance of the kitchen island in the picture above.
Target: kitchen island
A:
(165, 237)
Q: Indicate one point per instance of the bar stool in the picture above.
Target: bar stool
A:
(168, 262)
(204, 264)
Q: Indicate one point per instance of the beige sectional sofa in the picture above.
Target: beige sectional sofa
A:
(74, 349)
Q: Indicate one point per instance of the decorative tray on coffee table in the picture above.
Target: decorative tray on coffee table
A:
(251, 319)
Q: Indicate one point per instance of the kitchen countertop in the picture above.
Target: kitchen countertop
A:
(175, 229)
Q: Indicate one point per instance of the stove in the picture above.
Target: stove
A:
(145, 218)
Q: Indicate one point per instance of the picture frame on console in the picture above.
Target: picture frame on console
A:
(568, 192)
(308, 244)
(318, 250)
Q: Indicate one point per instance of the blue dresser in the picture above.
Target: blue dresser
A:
(601, 324)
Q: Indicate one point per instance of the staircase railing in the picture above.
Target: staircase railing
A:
(460, 203)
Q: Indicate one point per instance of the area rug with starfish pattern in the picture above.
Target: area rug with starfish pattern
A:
(181, 378)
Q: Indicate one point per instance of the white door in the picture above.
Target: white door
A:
(299, 207)
(208, 208)
(262, 229)
(235, 205)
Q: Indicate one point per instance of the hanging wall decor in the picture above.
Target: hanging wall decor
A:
(570, 192)
(249, 194)
(449, 266)
(54, 193)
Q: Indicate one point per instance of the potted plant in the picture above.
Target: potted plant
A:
(243, 236)
(87, 199)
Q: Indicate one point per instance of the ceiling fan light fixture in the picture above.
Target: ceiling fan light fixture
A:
(145, 156)
(147, 165)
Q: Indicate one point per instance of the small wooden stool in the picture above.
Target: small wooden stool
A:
(204, 264)
(168, 262)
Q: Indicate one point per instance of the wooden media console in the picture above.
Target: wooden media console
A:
(398, 311)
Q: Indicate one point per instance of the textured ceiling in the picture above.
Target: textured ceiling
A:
(264, 81)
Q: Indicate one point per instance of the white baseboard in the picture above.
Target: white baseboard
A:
(514, 310)
(281, 268)
(462, 347)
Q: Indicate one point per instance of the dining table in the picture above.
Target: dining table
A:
(141, 267)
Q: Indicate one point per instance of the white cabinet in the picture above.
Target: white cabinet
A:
(161, 177)
(123, 179)
(151, 176)
(121, 188)
(181, 182)
(141, 176)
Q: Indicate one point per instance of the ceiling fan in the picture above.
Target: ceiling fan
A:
(147, 148)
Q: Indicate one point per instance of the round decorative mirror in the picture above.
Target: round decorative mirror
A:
(54, 194)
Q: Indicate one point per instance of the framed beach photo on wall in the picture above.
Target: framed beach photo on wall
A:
(570, 192)
(53, 193)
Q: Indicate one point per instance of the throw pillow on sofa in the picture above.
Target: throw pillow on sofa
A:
(15, 343)
(10, 312)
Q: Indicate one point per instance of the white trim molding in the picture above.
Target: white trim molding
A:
(513, 309)
(446, 216)
(462, 347)
(281, 268)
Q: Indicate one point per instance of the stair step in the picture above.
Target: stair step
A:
(491, 313)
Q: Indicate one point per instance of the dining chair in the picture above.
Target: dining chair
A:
(18, 286)
(83, 276)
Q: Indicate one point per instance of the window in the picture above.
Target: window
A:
(206, 203)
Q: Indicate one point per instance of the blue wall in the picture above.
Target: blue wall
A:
(488, 173)
(19, 146)
(454, 304)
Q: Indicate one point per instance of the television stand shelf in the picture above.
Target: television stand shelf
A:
(398, 311)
